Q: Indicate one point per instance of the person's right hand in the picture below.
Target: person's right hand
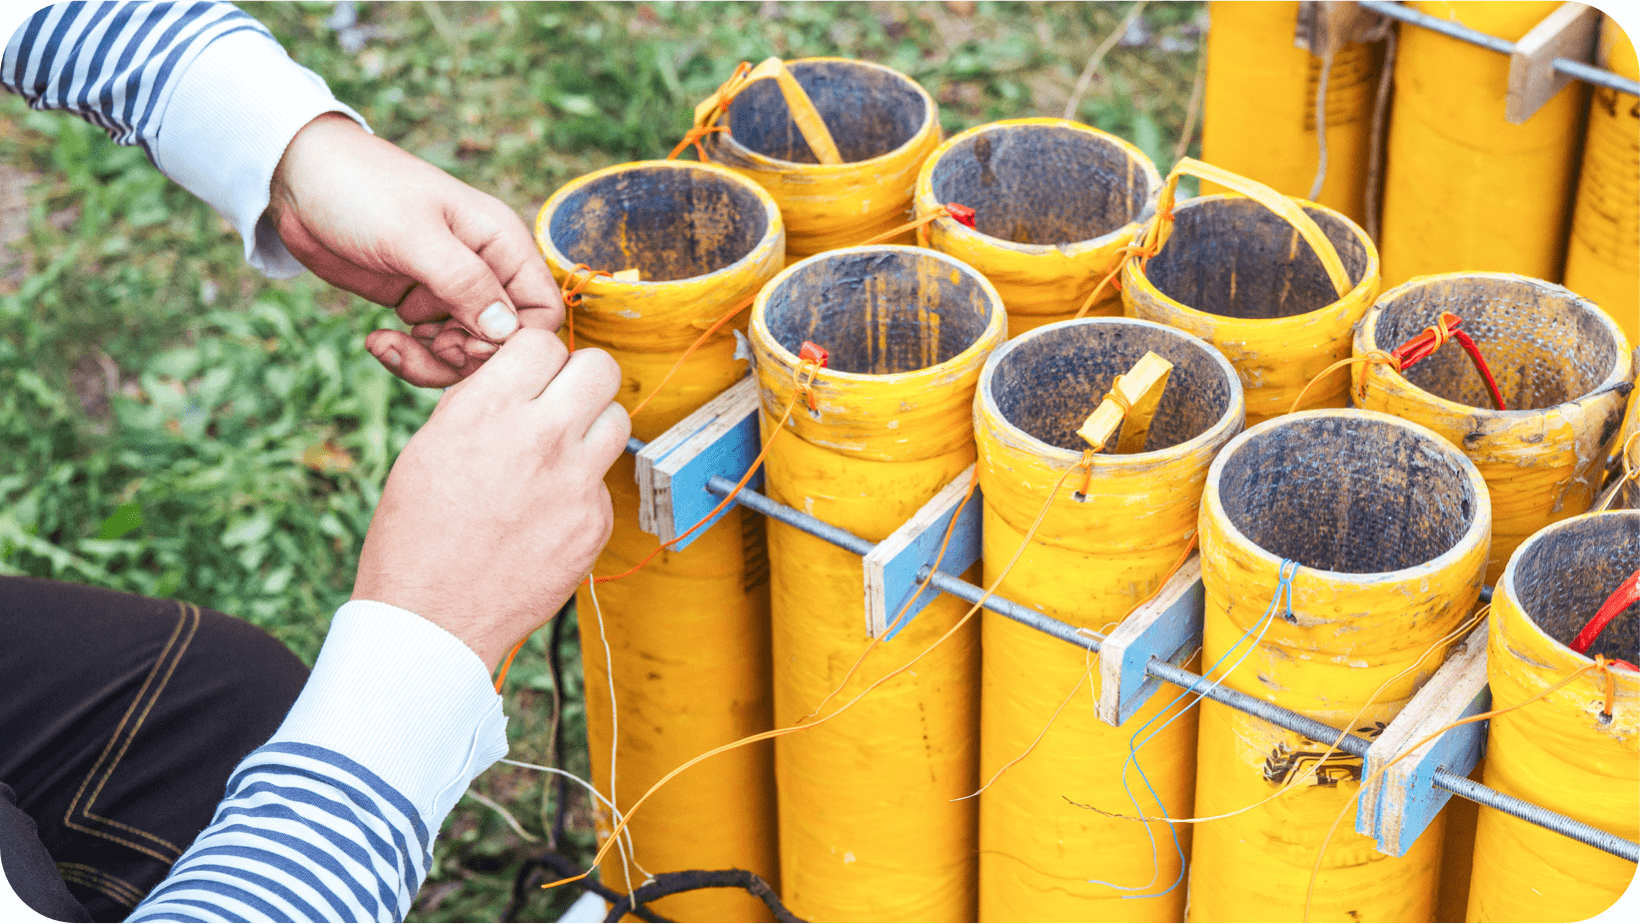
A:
(497, 508)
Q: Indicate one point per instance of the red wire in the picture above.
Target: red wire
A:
(1626, 595)
(1429, 340)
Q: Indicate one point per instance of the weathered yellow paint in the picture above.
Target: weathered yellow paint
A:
(1258, 114)
(1089, 563)
(687, 634)
(1463, 189)
(1279, 320)
(1561, 365)
(1388, 525)
(1603, 253)
(1055, 201)
(868, 831)
(884, 126)
(1558, 752)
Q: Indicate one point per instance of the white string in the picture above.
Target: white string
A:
(1321, 125)
(614, 733)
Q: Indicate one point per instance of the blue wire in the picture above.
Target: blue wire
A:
(1284, 581)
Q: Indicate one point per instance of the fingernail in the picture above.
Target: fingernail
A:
(497, 322)
(480, 348)
(390, 357)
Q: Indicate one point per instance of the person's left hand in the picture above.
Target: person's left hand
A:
(456, 263)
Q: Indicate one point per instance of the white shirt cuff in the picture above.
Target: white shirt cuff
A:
(404, 698)
(227, 122)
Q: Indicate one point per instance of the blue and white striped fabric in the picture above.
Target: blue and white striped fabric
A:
(204, 89)
(113, 63)
(305, 834)
(334, 818)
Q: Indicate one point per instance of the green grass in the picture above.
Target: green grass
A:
(173, 424)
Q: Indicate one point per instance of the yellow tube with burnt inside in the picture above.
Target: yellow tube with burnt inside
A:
(1259, 110)
(1561, 366)
(1382, 528)
(1105, 545)
(687, 635)
(1564, 752)
(1603, 252)
(869, 830)
(1055, 203)
(884, 125)
(1465, 190)
(1237, 275)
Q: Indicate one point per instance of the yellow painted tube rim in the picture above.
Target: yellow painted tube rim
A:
(926, 202)
(995, 326)
(774, 233)
(1366, 340)
(985, 407)
(1480, 526)
(1133, 276)
(1628, 681)
(930, 124)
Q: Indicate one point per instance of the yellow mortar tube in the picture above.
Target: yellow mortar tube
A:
(1560, 363)
(884, 125)
(1089, 564)
(1240, 277)
(1558, 752)
(868, 828)
(1055, 201)
(1388, 524)
(688, 634)
(1603, 252)
(1258, 115)
(1463, 189)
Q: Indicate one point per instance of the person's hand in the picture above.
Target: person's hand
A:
(497, 507)
(367, 217)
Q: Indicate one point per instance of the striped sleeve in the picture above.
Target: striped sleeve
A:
(334, 818)
(200, 86)
(114, 64)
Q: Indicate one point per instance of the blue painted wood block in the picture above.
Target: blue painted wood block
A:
(893, 568)
(1168, 627)
(720, 439)
(1397, 804)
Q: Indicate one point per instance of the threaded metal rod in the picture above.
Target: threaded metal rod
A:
(1351, 744)
(1538, 815)
(1576, 69)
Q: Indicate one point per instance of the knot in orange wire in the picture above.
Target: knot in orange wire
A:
(718, 105)
(1086, 465)
(1604, 668)
(575, 281)
(570, 292)
(1118, 398)
(811, 358)
(693, 136)
(1375, 356)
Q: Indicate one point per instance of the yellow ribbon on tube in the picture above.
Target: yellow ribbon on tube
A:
(1274, 283)
(883, 126)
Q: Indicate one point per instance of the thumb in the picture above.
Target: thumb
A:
(462, 281)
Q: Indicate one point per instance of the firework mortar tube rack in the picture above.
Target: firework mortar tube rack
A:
(1556, 51)
(685, 472)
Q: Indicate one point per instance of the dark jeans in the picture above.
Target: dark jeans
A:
(120, 720)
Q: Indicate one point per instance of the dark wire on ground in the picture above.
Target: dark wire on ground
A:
(561, 866)
(665, 884)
